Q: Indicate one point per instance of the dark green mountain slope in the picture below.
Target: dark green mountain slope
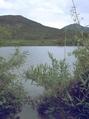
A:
(18, 30)
(75, 33)
(18, 27)
(76, 27)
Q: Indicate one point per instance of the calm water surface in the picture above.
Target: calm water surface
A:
(38, 55)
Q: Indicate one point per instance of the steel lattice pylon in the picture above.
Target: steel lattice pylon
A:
(74, 13)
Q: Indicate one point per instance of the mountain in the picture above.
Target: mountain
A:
(16, 29)
(75, 32)
(76, 27)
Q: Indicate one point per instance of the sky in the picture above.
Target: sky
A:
(53, 13)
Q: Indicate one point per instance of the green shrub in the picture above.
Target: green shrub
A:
(12, 93)
(52, 77)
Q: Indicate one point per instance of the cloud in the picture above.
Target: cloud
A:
(5, 4)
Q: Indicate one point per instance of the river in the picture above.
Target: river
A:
(38, 55)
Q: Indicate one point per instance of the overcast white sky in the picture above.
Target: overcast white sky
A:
(54, 13)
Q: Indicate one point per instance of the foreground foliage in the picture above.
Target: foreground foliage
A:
(66, 96)
(52, 77)
(74, 105)
(11, 89)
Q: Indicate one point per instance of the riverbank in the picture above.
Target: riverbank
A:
(36, 42)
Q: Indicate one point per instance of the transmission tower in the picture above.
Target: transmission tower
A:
(76, 19)
(74, 13)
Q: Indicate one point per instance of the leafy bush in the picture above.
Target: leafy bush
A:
(79, 97)
(10, 106)
(11, 90)
(69, 98)
(55, 78)
(52, 108)
(75, 103)
(52, 77)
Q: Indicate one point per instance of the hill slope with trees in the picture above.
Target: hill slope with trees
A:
(18, 30)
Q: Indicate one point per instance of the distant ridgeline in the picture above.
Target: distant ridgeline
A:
(17, 28)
